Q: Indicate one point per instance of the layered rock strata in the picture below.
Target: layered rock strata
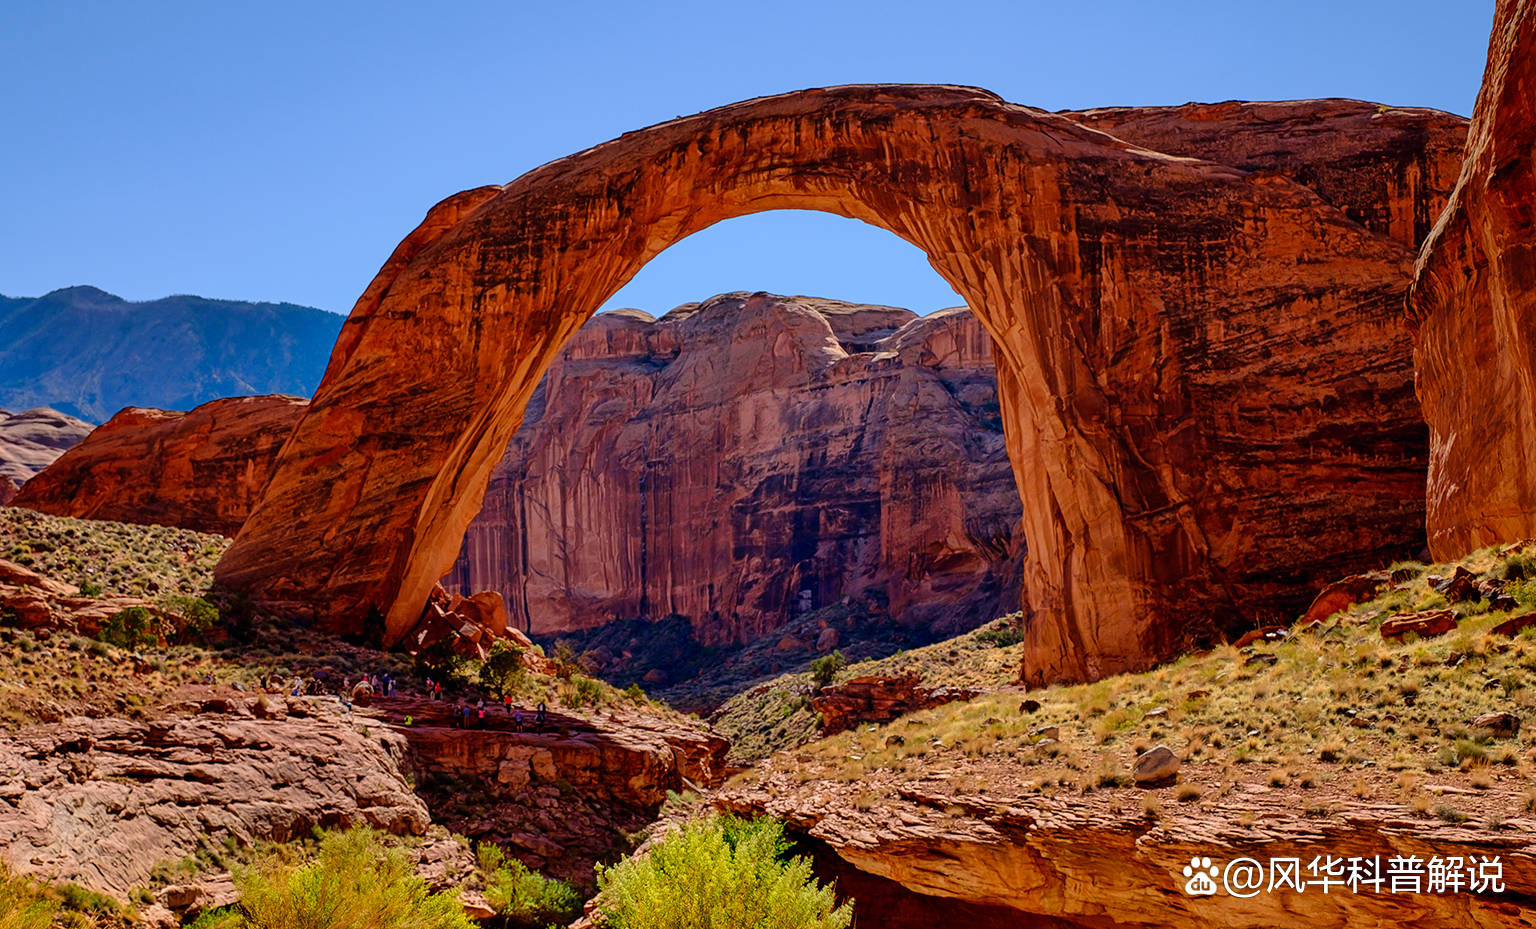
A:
(102, 801)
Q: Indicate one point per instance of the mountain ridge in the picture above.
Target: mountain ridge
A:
(77, 350)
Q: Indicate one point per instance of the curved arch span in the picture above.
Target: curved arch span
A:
(1136, 301)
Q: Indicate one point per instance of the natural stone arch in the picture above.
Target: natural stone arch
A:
(1135, 300)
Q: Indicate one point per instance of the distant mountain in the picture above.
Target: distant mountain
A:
(89, 353)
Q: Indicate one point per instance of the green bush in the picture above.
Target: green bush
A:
(523, 899)
(132, 628)
(353, 882)
(502, 672)
(825, 668)
(719, 873)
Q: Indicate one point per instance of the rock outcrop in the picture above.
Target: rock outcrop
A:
(102, 801)
(29, 600)
(878, 699)
(1474, 308)
(559, 796)
(31, 441)
(753, 458)
(1089, 862)
(1202, 368)
(201, 470)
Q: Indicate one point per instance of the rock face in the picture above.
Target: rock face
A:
(749, 459)
(1203, 377)
(1474, 308)
(31, 441)
(102, 801)
(201, 470)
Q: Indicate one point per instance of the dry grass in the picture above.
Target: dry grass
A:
(1337, 702)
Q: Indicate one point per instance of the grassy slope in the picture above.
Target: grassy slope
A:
(44, 678)
(777, 715)
(1339, 707)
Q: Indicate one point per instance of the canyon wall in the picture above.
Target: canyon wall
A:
(1202, 367)
(1474, 309)
(751, 458)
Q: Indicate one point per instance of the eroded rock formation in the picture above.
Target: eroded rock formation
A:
(1203, 375)
(31, 441)
(201, 470)
(102, 801)
(749, 459)
(561, 795)
(1474, 308)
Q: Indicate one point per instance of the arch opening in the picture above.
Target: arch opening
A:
(1109, 277)
(753, 477)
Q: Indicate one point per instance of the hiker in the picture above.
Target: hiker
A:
(481, 711)
(540, 716)
(430, 692)
(517, 720)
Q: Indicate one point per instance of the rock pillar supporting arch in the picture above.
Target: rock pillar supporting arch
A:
(1149, 313)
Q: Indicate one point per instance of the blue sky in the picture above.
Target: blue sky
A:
(279, 151)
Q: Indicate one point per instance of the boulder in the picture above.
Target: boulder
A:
(1503, 725)
(1341, 595)
(1155, 765)
(1425, 624)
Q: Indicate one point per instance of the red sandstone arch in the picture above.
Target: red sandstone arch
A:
(1179, 343)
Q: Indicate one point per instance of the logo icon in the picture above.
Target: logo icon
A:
(1201, 876)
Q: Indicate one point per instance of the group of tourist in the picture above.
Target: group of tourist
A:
(472, 716)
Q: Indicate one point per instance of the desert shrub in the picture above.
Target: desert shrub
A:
(721, 872)
(1520, 568)
(502, 672)
(24, 904)
(353, 882)
(581, 690)
(523, 899)
(1001, 635)
(825, 668)
(565, 659)
(132, 628)
(194, 616)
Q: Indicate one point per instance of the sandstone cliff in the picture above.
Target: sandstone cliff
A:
(1474, 306)
(753, 458)
(201, 470)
